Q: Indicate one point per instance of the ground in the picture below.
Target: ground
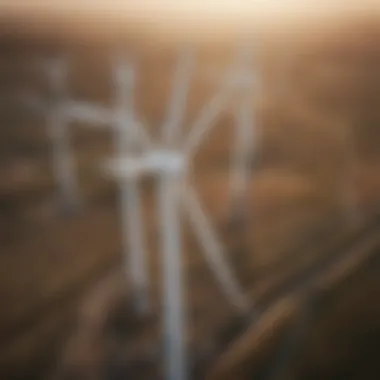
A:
(313, 181)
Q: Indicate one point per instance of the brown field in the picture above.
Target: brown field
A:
(312, 211)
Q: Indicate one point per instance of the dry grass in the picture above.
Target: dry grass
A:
(318, 126)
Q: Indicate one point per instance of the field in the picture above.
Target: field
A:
(310, 212)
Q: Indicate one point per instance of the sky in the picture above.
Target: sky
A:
(187, 16)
